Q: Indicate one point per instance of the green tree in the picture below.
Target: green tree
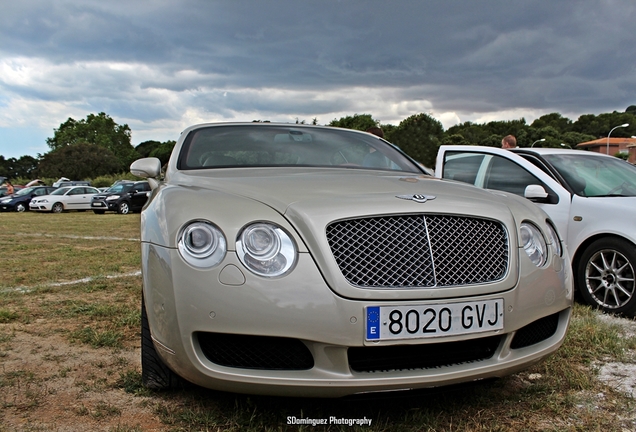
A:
(493, 140)
(145, 148)
(599, 126)
(388, 130)
(555, 120)
(472, 133)
(163, 151)
(360, 122)
(100, 130)
(574, 138)
(484, 134)
(419, 136)
(22, 167)
(79, 161)
(455, 139)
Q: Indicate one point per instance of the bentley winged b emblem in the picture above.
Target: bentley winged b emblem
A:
(419, 198)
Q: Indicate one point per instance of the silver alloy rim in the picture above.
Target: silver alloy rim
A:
(20, 208)
(609, 277)
(124, 208)
(57, 208)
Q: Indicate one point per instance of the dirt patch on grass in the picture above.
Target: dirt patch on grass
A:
(50, 384)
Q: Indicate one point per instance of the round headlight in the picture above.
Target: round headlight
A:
(202, 244)
(533, 243)
(266, 249)
(555, 239)
(261, 241)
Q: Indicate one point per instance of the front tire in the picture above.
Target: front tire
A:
(57, 208)
(606, 276)
(20, 208)
(123, 208)
(155, 375)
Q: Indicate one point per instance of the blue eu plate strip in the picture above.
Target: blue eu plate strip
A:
(373, 322)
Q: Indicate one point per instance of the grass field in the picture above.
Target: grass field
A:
(69, 356)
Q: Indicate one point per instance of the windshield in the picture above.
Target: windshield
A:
(119, 188)
(60, 191)
(25, 191)
(594, 176)
(285, 146)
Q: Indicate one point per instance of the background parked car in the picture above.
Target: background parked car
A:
(590, 196)
(63, 181)
(123, 197)
(65, 198)
(20, 200)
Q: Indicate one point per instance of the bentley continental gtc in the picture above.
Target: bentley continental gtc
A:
(304, 260)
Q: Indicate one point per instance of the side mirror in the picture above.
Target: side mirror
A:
(535, 193)
(148, 168)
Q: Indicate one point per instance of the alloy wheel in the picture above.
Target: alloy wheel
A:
(610, 279)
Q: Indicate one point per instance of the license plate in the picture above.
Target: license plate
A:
(97, 204)
(433, 320)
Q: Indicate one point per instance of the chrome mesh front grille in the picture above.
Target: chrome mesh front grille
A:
(419, 250)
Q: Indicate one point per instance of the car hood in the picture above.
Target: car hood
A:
(14, 197)
(343, 191)
(309, 200)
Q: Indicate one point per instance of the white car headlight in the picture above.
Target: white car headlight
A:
(533, 243)
(201, 244)
(112, 197)
(266, 249)
(555, 239)
(5, 201)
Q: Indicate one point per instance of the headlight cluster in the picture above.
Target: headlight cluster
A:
(202, 244)
(112, 197)
(533, 243)
(264, 248)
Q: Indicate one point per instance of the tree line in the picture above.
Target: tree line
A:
(98, 146)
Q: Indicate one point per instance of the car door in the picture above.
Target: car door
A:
(140, 195)
(87, 197)
(499, 169)
(74, 198)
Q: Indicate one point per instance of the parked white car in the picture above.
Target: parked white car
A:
(591, 197)
(65, 198)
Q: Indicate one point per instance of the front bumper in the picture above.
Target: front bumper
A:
(104, 205)
(188, 308)
(40, 206)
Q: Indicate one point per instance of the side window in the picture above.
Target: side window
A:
(462, 166)
(536, 162)
(507, 176)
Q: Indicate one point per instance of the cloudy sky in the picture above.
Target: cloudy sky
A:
(162, 65)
